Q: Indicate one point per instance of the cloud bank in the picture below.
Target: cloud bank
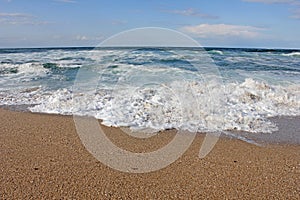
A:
(19, 19)
(222, 30)
(275, 1)
(192, 12)
(66, 1)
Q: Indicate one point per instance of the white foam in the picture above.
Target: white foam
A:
(190, 105)
(21, 96)
(183, 105)
(34, 69)
(296, 54)
(216, 52)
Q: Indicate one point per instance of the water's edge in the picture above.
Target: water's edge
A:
(288, 129)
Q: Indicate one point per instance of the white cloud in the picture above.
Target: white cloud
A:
(81, 38)
(20, 19)
(275, 1)
(15, 15)
(87, 38)
(223, 31)
(192, 12)
(118, 22)
(66, 1)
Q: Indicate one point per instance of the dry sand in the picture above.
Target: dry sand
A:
(42, 158)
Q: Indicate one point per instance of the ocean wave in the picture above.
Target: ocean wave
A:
(182, 105)
(293, 54)
(45, 79)
(25, 69)
(219, 52)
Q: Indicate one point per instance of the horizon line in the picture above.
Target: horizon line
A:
(216, 47)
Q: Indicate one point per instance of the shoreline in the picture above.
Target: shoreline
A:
(288, 132)
(204, 47)
(43, 157)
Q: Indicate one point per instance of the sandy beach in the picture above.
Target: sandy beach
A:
(42, 157)
(150, 100)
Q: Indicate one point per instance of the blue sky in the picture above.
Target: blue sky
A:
(225, 23)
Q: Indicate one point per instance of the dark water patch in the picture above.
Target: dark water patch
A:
(9, 71)
(112, 66)
(252, 50)
(50, 65)
(57, 67)
(34, 50)
(7, 61)
(75, 59)
(66, 58)
(31, 61)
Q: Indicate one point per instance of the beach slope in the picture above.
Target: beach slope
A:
(42, 157)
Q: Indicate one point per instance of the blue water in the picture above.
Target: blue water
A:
(210, 89)
(283, 64)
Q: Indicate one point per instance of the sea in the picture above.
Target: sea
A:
(240, 92)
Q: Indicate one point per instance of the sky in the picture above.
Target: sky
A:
(216, 23)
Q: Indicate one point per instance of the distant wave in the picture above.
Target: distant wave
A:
(44, 78)
(216, 52)
(294, 54)
(26, 69)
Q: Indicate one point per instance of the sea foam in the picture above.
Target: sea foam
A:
(182, 105)
(296, 54)
(157, 89)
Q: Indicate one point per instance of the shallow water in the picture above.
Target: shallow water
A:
(200, 90)
(288, 132)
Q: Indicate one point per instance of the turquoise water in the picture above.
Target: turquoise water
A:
(211, 89)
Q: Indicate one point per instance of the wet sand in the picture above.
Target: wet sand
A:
(42, 157)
